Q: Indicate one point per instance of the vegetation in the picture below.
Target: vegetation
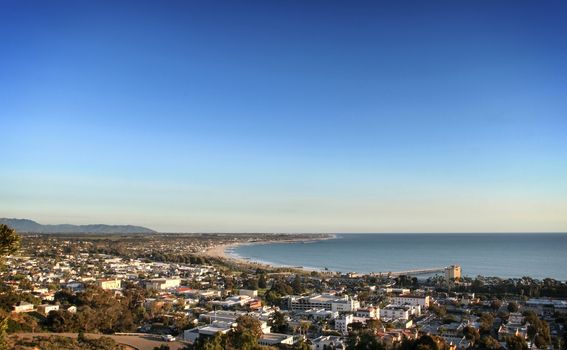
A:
(9, 244)
(65, 343)
(244, 337)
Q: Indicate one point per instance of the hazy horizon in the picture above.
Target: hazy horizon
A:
(286, 116)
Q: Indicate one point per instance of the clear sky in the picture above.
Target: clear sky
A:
(285, 116)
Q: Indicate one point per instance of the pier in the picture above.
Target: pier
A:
(418, 271)
(453, 271)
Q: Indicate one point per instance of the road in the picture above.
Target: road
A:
(139, 341)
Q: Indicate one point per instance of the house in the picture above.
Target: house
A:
(23, 306)
(162, 283)
(410, 299)
(272, 339)
(46, 308)
(207, 331)
(109, 284)
(328, 342)
(370, 312)
(403, 312)
(249, 292)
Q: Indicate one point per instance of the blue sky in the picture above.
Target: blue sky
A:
(286, 116)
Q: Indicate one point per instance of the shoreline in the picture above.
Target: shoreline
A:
(220, 252)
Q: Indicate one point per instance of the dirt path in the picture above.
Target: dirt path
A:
(137, 341)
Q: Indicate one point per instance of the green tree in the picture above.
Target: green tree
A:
(486, 322)
(363, 340)
(262, 282)
(537, 328)
(9, 244)
(471, 334)
(9, 241)
(218, 342)
(296, 285)
(279, 323)
(513, 306)
(488, 342)
(301, 345)
(246, 334)
(495, 304)
(516, 343)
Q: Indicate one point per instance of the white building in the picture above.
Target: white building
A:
(273, 339)
(46, 308)
(109, 284)
(409, 299)
(341, 324)
(249, 292)
(328, 342)
(323, 301)
(547, 306)
(23, 306)
(319, 314)
(207, 331)
(163, 283)
(237, 300)
(399, 312)
(370, 312)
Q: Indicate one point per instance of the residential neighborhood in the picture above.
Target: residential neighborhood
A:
(107, 286)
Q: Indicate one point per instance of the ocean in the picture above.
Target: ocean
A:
(507, 255)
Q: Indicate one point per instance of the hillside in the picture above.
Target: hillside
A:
(30, 226)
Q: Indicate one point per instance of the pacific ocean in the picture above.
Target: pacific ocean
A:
(507, 255)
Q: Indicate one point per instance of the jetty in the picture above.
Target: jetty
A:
(453, 271)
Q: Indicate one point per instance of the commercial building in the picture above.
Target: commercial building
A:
(410, 299)
(453, 272)
(208, 331)
(163, 283)
(369, 312)
(23, 306)
(46, 308)
(547, 306)
(323, 301)
(328, 342)
(273, 339)
(399, 312)
(252, 293)
(341, 324)
(109, 284)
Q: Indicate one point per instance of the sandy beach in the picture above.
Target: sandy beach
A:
(219, 251)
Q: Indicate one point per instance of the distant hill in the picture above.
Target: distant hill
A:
(30, 226)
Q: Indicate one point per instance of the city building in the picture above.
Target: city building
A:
(410, 299)
(341, 324)
(163, 283)
(369, 312)
(23, 306)
(402, 312)
(453, 272)
(46, 308)
(272, 339)
(252, 293)
(109, 284)
(323, 301)
(328, 342)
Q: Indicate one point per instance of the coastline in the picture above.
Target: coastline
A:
(220, 252)
(385, 254)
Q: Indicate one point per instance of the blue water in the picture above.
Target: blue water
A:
(537, 255)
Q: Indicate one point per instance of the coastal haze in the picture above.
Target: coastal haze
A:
(286, 116)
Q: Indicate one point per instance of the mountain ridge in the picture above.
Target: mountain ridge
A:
(30, 226)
